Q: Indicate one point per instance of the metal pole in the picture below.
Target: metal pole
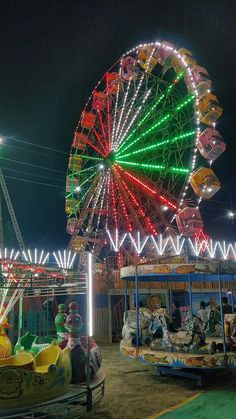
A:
(137, 306)
(232, 301)
(1, 224)
(89, 328)
(126, 289)
(190, 295)
(20, 319)
(221, 309)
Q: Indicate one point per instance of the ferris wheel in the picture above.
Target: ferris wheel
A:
(143, 148)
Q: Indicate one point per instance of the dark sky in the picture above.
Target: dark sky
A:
(51, 55)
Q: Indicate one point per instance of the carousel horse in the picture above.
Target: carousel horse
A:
(129, 327)
(189, 339)
(156, 327)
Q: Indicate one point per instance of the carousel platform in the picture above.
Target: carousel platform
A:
(78, 400)
(179, 359)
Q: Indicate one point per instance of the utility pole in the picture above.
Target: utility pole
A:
(1, 224)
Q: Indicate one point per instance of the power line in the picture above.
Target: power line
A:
(33, 151)
(35, 145)
(33, 165)
(33, 181)
(32, 174)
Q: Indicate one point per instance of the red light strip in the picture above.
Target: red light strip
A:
(94, 147)
(103, 132)
(135, 202)
(150, 190)
(108, 119)
(114, 203)
(99, 138)
(123, 207)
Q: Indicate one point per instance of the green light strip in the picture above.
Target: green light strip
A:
(179, 170)
(157, 145)
(83, 156)
(147, 166)
(83, 183)
(85, 170)
(153, 127)
(178, 77)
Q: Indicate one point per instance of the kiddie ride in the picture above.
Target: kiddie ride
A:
(35, 375)
(195, 348)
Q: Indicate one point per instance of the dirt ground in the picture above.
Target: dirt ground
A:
(133, 389)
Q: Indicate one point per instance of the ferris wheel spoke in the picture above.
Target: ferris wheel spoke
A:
(107, 198)
(115, 212)
(159, 144)
(119, 140)
(109, 123)
(100, 141)
(116, 107)
(157, 126)
(93, 146)
(86, 157)
(122, 110)
(132, 104)
(123, 208)
(136, 204)
(87, 198)
(158, 167)
(94, 203)
(129, 201)
(137, 92)
(101, 205)
(149, 190)
(81, 184)
(153, 106)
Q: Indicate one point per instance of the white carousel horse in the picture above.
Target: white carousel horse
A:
(130, 326)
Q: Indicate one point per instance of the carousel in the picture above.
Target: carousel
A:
(181, 343)
(54, 373)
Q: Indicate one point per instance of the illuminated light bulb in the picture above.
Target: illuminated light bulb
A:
(164, 208)
(101, 166)
(231, 214)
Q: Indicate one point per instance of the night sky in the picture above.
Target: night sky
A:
(52, 53)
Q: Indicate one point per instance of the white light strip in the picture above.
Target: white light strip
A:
(45, 259)
(176, 244)
(139, 247)
(41, 256)
(72, 261)
(24, 254)
(116, 245)
(58, 263)
(90, 295)
(30, 257)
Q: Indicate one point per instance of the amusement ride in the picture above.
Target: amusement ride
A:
(142, 153)
(139, 167)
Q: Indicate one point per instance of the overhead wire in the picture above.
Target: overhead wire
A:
(35, 144)
(33, 181)
(34, 151)
(32, 165)
(32, 174)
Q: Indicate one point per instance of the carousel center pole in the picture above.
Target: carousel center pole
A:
(137, 306)
(221, 309)
(89, 324)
